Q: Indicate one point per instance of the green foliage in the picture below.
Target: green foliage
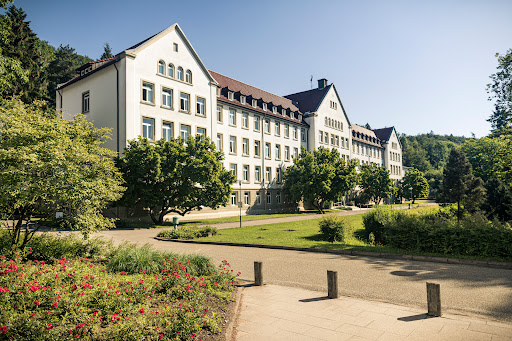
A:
(333, 228)
(319, 176)
(49, 165)
(413, 185)
(500, 90)
(375, 183)
(460, 185)
(437, 232)
(107, 52)
(174, 176)
(498, 203)
(375, 220)
(188, 232)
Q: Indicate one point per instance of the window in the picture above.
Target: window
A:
(201, 106)
(332, 139)
(326, 121)
(180, 73)
(148, 126)
(232, 144)
(274, 109)
(267, 126)
(258, 198)
(264, 106)
(269, 198)
(175, 47)
(188, 77)
(321, 136)
(303, 134)
(283, 112)
(184, 131)
(257, 174)
(245, 146)
(219, 113)
(161, 67)
(167, 130)
(232, 117)
(219, 142)
(245, 120)
(295, 152)
(287, 153)
(268, 174)
(233, 169)
(278, 174)
(267, 150)
(242, 99)
(85, 102)
(294, 133)
(257, 148)
(278, 152)
(278, 129)
(184, 102)
(278, 197)
(286, 130)
(254, 103)
(201, 132)
(233, 199)
(246, 173)
(230, 95)
(167, 98)
(247, 198)
(337, 140)
(394, 145)
(147, 92)
(170, 70)
(256, 123)
(326, 137)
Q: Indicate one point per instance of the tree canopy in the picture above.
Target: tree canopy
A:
(375, 183)
(500, 90)
(107, 52)
(319, 176)
(50, 165)
(175, 176)
(414, 185)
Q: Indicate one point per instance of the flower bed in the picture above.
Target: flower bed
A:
(80, 299)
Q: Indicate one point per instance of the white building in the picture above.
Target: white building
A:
(160, 88)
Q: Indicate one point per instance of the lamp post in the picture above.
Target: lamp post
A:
(410, 189)
(240, 202)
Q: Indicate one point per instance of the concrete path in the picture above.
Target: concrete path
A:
(467, 290)
(274, 312)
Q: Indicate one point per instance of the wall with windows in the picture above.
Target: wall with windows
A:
(393, 157)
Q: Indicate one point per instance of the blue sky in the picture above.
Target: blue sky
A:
(417, 65)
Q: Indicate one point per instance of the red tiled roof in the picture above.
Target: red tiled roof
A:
(252, 92)
(365, 135)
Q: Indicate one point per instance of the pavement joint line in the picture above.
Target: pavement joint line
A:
(431, 259)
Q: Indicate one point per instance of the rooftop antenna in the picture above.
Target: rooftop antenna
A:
(311, 81)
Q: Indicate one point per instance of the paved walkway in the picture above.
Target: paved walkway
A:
(274, 312)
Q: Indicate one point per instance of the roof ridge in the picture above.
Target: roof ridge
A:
(252, 86)
(301, 92)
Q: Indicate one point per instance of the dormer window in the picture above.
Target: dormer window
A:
(274, 109)
(218, 91)
(230, 95)
(300, 117)
(265, 106)
(254, 103)
(242, 99)
(283, 112)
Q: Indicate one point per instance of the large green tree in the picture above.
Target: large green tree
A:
(460, 186)
(319, 176)
(414, 185)
(500, 90)
(175, 176)
(375, 183)
(50, 165)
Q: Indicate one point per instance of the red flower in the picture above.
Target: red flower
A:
(50, 326)
(55, 305)
(160, 336)
(142, 311)
(36, 302)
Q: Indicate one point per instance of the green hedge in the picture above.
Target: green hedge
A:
(332, 228)
(437, 232)
(188, 232)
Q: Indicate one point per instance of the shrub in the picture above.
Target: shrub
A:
(375, 220)
(188, 232)
(332, 228)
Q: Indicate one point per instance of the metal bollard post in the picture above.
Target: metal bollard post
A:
(332, 284)
(434, 299)
(258, 273)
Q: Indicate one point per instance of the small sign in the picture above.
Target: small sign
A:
(239, 204)
(59, 215)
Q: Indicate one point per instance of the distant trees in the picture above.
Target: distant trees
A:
(414, 185)
(107, 52)
(319, 176)
(174, 176)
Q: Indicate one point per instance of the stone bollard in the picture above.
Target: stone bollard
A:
(258, 273)
(332, 284)
(434, 299)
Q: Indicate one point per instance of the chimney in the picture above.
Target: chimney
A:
(322, 83)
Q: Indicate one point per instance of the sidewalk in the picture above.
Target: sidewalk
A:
(274, 312)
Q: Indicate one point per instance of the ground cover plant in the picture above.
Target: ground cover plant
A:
(188, 232)
(116, 298)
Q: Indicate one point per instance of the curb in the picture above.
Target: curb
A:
(230, 332)
(447, 260)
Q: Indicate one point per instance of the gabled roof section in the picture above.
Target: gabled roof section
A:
(364, 135)
(147, 42)
(226, 84)
(310, 100)
(384, 133)
(88, 69)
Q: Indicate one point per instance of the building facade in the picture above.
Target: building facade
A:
(160, 88)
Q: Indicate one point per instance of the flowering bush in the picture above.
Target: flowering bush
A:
(79, 299)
